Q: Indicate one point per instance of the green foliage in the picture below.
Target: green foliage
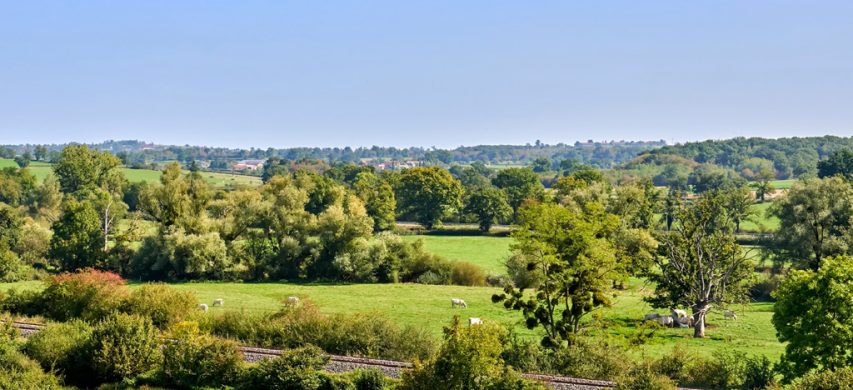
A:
(77, 237)
(467, 274)
(363, 334)
(815, 220)
(577, 261)
(644, 377)
(164, 305)
(124, 346)
(469, 359)
(89, 295)
(62, 348)
(379, 200)
(300, 368)
(179, 200)
(19, 372)
(370, 379)
(840, 379)
(519, 185)
(814, 316)
(427, 194)
(701, 264)
(839, 163)
(194, 360)
(82, 169)
(489, 206)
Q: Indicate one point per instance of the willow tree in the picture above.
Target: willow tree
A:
(700, 264)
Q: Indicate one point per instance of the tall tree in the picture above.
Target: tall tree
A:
(839, 163)
(814, 222)
(428, 193)
(80, 168)
(701, 265)
(77, 237)
(577, 260)
(180, 200)
(519, 184)
(764, 185)
(40, 153)
(814, 317)
(378, 198)
(489, 205)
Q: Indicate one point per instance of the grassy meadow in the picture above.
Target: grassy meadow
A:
(42, 169)
(488, 252)
(428, 306)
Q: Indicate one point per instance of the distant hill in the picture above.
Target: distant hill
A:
(597, 154)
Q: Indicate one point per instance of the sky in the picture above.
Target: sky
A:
(426, 73)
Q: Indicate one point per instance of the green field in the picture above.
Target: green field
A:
(488, 252)
(760, 219)
(429, 307)
(783, 184)
(42, 170)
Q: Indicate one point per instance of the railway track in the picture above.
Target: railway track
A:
(390, 368)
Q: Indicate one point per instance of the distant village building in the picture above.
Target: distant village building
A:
(248, 165)
(392, 165)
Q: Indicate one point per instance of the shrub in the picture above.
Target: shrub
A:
(644, 377)
(674, 364)
(758, 373)
(300, 368)
(417, 262)
(431, 277)
(89, 295)
(164, 305)
(124, 346)
(194, 360)
(723, 371)
(369, 380)
(467, 274)
(62, 348)
(588, 360)
(19, 372)
(369, 335)
(24, 302)
(840, 379)
(469, 358)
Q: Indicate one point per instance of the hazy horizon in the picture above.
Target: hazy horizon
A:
(276, 74)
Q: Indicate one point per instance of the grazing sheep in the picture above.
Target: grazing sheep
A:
(664, 321)
(684, 322)
(219, 302)
(458, 302)
(293, 301)
(474, 321)
(678, 313)
(203, 307)
(728, 314)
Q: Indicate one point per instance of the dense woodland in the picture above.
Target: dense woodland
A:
(85, 228)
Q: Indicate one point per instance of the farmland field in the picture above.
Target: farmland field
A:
(217, 179)
(428, 307)
(488, 252)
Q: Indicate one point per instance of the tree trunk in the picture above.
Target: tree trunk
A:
(699, 322)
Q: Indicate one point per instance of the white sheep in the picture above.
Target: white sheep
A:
(665, 321)
(678, 313)
(728, 314)
(219, 302)
(474, 321)
(203, 307)
(651, 317)
(293, 301)
(458, 302)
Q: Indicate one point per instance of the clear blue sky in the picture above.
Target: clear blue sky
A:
(443, 73)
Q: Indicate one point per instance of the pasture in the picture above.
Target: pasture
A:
(488, 252)
(428, 306)
(41, 170)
